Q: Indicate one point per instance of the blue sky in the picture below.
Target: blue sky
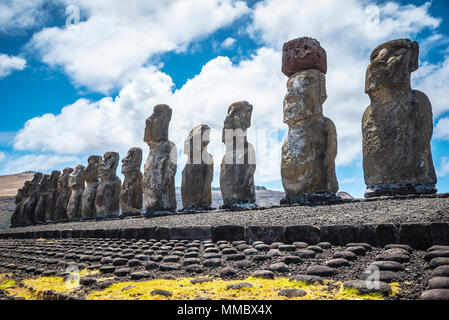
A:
(68, 91)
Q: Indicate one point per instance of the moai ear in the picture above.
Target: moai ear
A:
(323, 93)
(413, 66)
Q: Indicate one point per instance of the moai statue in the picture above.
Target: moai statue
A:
(131, 195)
(88, 209)
(33, 198)
(160, 167)
(19, 200)
(239, 162)
(310, 147)
(107, 201)
(199, 171)
(64, 195)
(52, 197)
(76, 183)
(39, 213)
(397, 126)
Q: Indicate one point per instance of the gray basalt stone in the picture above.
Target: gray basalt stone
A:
(33, 198)
(310, 147)
(131, 195)
(20, 200)
(397, 126)
(239, 162)
(199, 171)
(39, 213)
(107, 201)
(160, 167)
(64, 192)
(88, 209)
(53, 195)
(77, 184)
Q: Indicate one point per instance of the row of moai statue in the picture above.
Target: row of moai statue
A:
(397, 128)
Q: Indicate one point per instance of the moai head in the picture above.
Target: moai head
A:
(239, 117)
(196, 143)
(63, 183)
(108, 166)
(156, 129)
(43, 184)
(391, 64)
(76, 178)
(303, 54)
(91, 171)
(132, 161)
(306, 93)
(19, 196)
(53, 180)
(34, 186)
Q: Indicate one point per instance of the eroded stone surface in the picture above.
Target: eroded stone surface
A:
(131, 195)
(397, 126)
(198, 173)
(42, 189)
(107, 201)
(77, 184)
(310, 147)
(88, 209)
(53, 195)
(303, 54)
(238, 164)
(64, 192)
(160, 167)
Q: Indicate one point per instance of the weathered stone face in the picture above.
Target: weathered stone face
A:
(303, 54)
(198, 173)
(76, 183)
(391, 64)
(64, 195)
(88, 209)
(107, 201)
(156, 128)
(28, 214)
(53, 195)
(238, 164)
(397, 126)
(131, 195)
(306, 93)
(39, 213)
(160, 167)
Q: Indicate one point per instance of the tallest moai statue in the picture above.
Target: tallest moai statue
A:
(310, 147)
(397, 126)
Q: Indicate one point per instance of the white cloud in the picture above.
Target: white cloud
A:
(2, 156)
(444, 167)
(107, 49)
(35, 162)
(117, 124)
(228, 43)
(10, 63)
(442, 129)
(19, 15)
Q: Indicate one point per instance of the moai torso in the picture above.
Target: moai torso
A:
(53, 195)
(199, 171)
(88, 209)
(160, 167)
(131, 195)
(107, 201)
(39, 213)
(239, 162)
(397, 126)
(76, 184)
(64, 195)
(20, 199)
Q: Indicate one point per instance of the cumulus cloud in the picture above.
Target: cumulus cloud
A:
(117, 38)
(347, 30)
(10, 63)
(442, 129)
(444, 167)
(228, 43)
(19, 15)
